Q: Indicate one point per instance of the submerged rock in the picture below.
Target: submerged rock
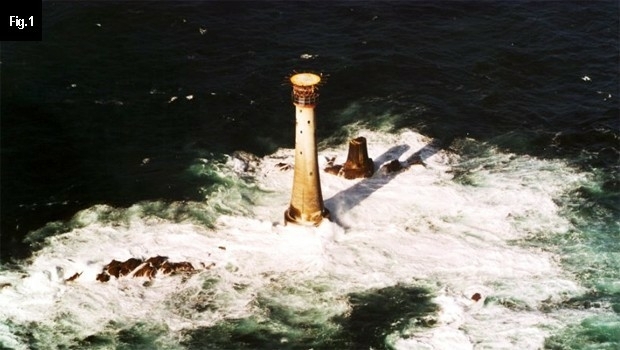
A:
(244, 162)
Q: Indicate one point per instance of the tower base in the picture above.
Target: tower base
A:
(295, 216)
(357, 165)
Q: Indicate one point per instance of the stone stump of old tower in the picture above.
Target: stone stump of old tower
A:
(358, 164)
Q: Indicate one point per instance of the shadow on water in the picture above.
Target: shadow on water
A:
(373, 315)
(349, 198)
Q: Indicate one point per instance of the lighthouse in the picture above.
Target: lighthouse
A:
(306, 206)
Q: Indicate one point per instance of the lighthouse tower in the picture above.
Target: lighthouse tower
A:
(306, 206)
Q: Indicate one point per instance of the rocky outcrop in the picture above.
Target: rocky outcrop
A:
(144, 268)
(392, 166)
(245, 162)
(395, 165)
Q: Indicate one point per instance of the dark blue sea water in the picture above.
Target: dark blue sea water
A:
(119, 99)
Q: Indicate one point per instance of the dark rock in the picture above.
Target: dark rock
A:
(333, 169)
(284, 166)
(74, 277)
(148, 268)
(103, 277)
(393, 166)
(129, 265)
(157, 261)
(177, 267)
(245, 161)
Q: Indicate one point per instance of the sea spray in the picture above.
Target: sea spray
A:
(223, 190)
(417, 233)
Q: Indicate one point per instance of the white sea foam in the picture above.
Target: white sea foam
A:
(416, 225)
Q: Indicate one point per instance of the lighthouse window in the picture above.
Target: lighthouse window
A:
(310, 173)
(308, 122)
(301, 131)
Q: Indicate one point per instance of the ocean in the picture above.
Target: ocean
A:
(138, 129)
